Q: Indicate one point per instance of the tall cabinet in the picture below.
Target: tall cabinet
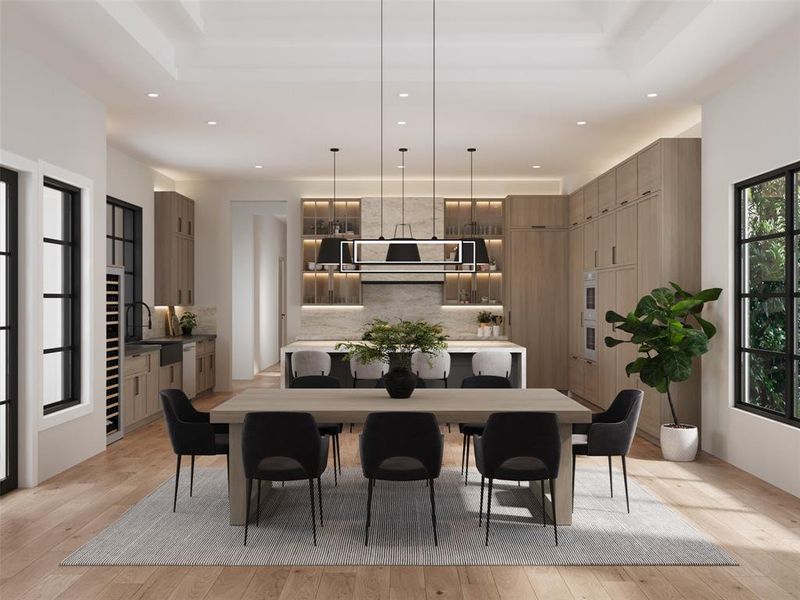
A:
(537, 288)
(174, 241)
(642, 233)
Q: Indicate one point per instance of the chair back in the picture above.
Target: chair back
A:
(371, 370)
(190, 431)
(310, 362)
(431, 366)
(516, 434)
(492, 362)
(486, 381)
(316, 381)
(401, 434)
(625, 408)
(292, 435)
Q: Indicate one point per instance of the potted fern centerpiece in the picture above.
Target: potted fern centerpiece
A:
(667, 328)
(394, 343)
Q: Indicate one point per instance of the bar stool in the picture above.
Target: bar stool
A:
(492, 362)
(310, 362)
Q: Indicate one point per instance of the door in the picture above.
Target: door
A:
(626, 238)
(648, 167)
(590, 200)
(606, 240)
(606, 192)
(649, 243)
(627, 297)
(8, 331)
(281, 301)
(590, 246)
(626, 181)
(575, 292)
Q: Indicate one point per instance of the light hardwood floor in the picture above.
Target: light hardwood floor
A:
(757, 523)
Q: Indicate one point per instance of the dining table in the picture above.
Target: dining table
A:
(448, 405)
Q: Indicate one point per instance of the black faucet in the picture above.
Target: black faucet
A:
(128, 307)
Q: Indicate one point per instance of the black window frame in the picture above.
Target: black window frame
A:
(789, 294)
(71, 273)
(11, 179)
(133, 294)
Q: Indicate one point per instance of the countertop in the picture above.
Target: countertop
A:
(154, 344)
(464, 346)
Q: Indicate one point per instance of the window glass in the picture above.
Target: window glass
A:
(764, 207)
(766, 377)
(765, 327)
(765, 266)
(53, 214)
(53, 268)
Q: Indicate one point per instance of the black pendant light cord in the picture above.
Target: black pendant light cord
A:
(471, 198)
(333, 222)
(433, 194)
(403, 188)
(381, 117)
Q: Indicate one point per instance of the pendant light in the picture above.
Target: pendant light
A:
(433, 124)
(481, 254)
(406, 252)
(333, 249)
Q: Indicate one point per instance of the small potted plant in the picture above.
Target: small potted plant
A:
(667, 328)
(394, 343)
(493, 264)
(188, 321)
(484, 323)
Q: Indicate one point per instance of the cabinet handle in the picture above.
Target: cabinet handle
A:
(605, 210)
(595, 258)
(180, 225)
(538, 226)
(136, 386)
(623, 203)
(613, 255)
(589, 217)
(179, 296)
(645, 193)
(190, 227)
(190, 296)
(171, 374)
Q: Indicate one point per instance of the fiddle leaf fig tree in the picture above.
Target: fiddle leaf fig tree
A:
(667, 328)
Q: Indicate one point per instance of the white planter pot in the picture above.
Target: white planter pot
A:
(495, 330)
(679, 444)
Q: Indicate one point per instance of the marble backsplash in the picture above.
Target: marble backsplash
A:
(390, 302)
(206, 320)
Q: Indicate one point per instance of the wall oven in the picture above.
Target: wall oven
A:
(589, 315)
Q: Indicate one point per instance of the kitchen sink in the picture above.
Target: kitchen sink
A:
(170, 352)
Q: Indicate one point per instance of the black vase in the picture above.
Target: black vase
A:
(400, 382)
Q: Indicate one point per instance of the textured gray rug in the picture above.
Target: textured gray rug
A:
(199, 534)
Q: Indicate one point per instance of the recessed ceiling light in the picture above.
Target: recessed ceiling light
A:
(652, 95)
(400, 167)
(581, 123)
(212, 122)
(403, 94)
(536, 167)
(152, 95)
(259, 166)
(401, 122)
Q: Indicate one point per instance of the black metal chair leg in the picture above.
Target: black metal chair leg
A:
(466, 462)
(463, 451)
(335, 476)
(574, 462)
(177, 478)
(191, 477)
(258, 503)
(228, 471)
(480, 508)
(319, 495)
(625, 479)
(339, 452)
(369, 509)
(544, 509)
(553, 501)
(433, 514)
(610, 478)
(313, 516)
(488, 510)
(247, 508)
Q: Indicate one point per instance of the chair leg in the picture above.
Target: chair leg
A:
(177, 477)
(488, 510)
(335, 476)
(625, 479)
(247, 508)
(339, 452)
(544, 510)
(191, 477)
(480, 507)
(258, 503)
(433, 514)
(553, 497)
(466, 462)
(313, 516)
(463, 452)
(319, 495)
(228, 470)
(369, 510)
(574, 462)
(610, 478)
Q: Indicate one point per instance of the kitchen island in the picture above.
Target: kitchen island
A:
(461, 352)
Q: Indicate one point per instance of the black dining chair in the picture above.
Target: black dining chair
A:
(519, 446)
(191, 433)
(331, 429)
(468, 430)
(283, 446)
(401, 446)
(609, 434)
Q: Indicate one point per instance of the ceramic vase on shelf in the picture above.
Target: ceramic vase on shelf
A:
(495, 330)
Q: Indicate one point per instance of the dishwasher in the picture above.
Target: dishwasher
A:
(190, 369)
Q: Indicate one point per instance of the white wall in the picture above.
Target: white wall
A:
(50, 127)
(750, 128)
(269, 245)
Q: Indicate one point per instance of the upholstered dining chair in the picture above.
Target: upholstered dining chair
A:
(401, 446)
(609, 434)
(519, 446)
(468, 430)
(331, 429)
(283, 446)
(310, 362)
(492, 362)
(191, 434)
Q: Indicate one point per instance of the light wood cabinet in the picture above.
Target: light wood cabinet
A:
(576, 208)
(576, 376)
(627, 236)
(606, 192)
(536, 212)
(606, 240)
(626, 298)
(205, 375)
(648, 169)
(537, 318)
(606, 357)
(650, 242)
(575, 292)
(626, 182)
(590, 200)
(170, 377)
(174, 249)
(590, 381)
(590, 248)
(140, 386)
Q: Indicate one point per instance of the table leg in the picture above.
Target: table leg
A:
(563, 483)
(238, 487)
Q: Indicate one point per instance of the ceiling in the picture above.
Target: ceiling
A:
(286, 80)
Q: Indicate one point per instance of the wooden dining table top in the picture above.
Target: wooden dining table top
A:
(353, 405)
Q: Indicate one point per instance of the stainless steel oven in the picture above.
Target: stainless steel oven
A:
(589, 315)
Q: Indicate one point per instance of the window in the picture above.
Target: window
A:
(124, 249)
(768, 294)
(8, 330)
(61, 282)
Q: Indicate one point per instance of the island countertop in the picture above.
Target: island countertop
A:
(460, 346)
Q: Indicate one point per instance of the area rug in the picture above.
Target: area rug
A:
(602, 532)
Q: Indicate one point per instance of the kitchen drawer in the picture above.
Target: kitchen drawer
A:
(205, 347)
(135, 365)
